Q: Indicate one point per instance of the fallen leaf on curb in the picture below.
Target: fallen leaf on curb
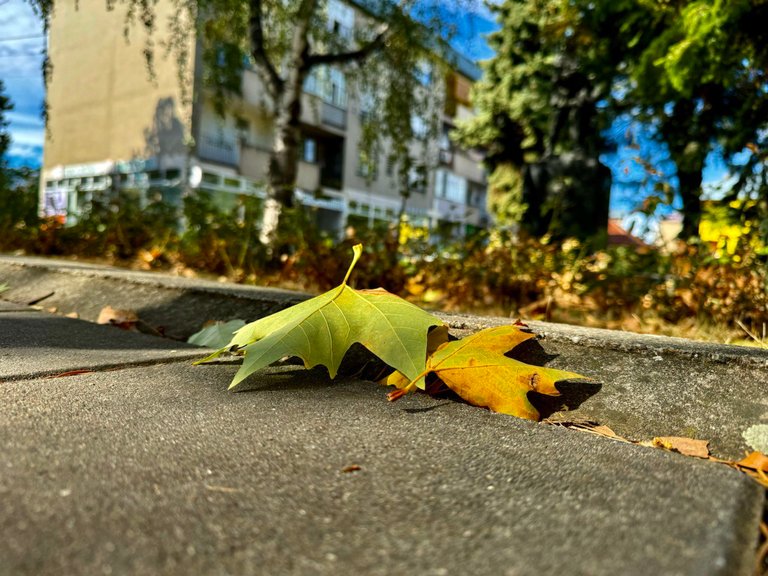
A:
(122, 318)
(216, 334)
(756, 461)
(477, 370)
(755, 465)
(591, 427)
(126, 320)
(686, 446)
(321, 330)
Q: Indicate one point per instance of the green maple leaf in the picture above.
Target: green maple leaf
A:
(321, 330)
(217, 335)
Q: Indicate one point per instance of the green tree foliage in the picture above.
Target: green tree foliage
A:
(540, 97)
(5, 137)
(695, 70)
(700, 77)
(18, 188)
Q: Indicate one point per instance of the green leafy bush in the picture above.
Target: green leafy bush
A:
(221, 235)
(699, 287)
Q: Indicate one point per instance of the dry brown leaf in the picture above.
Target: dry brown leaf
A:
(756, 461)
(686, 446)
(599, 429)
(590, 427)
(122, 318)
(127, 320)
(755, 465)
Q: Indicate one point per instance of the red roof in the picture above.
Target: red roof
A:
(617, 236)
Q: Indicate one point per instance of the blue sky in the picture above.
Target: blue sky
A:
(21, 44)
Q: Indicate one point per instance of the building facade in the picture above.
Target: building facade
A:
(111, 126)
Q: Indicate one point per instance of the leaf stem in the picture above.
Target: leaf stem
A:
(357, 250)
(395, 394)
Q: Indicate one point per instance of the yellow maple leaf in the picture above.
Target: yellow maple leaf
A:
(477, 370)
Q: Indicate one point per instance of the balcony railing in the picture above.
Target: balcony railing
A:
(217, 149)
(334, 116)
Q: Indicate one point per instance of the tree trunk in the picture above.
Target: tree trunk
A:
(283, 168)
(685, 132)
(690, 192)
(286, 93)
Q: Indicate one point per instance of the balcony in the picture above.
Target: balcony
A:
(216, 148)
(308, 178)
(450, 211)
(334, 116)
(254, 163)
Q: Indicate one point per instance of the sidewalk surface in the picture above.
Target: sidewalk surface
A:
(120, 457)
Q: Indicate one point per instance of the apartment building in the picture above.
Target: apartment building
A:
(111, 126)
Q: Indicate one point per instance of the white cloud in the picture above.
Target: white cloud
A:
(27, 129)
(27, 137)
(23, 154)
(17, 14)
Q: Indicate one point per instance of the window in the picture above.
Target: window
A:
(341, 18)
(390, 169)
(330, 84)
(337, 94)
(312, 82)
(444, 140)
(310, 150)
(451, 187)
(477, 194)
(367, 101)
(209, 178)
(445, 146)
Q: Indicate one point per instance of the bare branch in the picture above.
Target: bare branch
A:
(358, 55)
(259, 50)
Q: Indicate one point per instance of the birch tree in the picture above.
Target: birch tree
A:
(284, 41)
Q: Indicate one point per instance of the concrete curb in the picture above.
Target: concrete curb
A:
(86, 288)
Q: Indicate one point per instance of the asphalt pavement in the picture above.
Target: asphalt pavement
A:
(120, 457)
